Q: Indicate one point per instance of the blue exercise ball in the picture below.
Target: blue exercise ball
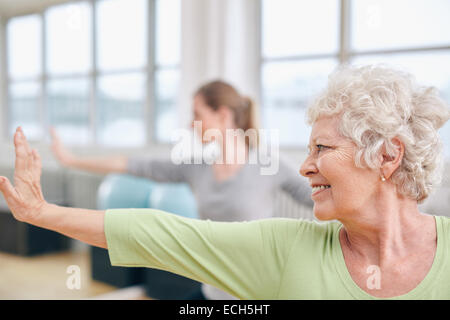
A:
(123, 191)
(173, 198)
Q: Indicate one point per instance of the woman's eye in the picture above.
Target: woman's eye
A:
(321, 147)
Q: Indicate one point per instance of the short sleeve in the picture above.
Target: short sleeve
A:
(244, 259)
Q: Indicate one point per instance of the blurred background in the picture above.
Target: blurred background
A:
(117, 77)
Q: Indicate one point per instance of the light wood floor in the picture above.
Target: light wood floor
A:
(44, 277)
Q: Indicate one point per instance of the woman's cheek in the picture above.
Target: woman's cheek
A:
(336, 167)
(327, 162)
(344, 154)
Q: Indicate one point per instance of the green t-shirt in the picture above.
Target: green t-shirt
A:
(275, 258)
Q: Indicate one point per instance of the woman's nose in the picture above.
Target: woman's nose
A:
(308, 167)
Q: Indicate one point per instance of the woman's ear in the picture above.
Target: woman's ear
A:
(390, 162)
(225, 116)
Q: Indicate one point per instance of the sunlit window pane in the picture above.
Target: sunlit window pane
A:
(168, 32)
(432, 69)
(296, 27)
(68, 31)
(121, 34)
(288, 88)
(68, 109)
(24, 109)
(167, 83)
(388, 24)
(120, 110)
(24, 47)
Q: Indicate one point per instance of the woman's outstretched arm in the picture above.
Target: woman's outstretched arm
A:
(245, 259)
(27, 203)
(81, 224)
(157, 170)
(104, 165)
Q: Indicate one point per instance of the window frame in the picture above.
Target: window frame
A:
(344, 54)
(149, 71)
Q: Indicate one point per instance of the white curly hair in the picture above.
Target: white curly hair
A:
(376, 104)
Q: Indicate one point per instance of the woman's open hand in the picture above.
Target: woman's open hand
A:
(64, 156)
(25, 199)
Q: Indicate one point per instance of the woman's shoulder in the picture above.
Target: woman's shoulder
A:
(443, 223)
(443, 220)
(301, 228)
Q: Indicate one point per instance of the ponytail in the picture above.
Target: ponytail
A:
(249, 119)
(219, 93)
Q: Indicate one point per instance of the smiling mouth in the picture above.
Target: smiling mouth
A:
(316, 190)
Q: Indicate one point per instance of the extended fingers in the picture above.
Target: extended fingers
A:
(24, 155)
(28, 162)
(8, 191)
(21, 151)
(22, 141)
(22, 203)
(55, 137)
(53, 132)
(37, 164)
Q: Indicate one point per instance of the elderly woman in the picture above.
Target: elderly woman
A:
(373, 156)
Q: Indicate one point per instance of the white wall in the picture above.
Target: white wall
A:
(219, 40)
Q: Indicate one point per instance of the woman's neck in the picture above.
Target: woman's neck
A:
(390, 230)
(234, 157)
(234, 151)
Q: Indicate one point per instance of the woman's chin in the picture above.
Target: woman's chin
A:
(323, 214)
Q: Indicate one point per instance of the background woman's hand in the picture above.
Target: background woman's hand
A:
(64, 156)
(102, 165)
(25, 198)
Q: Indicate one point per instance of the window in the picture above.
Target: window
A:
(24, 100)
(299, 50)
(120, 101)
(399, 24)
(68, 39)
(288, 86)
(167, 74)
(24, 41)
(68, 108)
(67, 66)
(102, 72)
(303, 41)
(121, 58)
(406, 34)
